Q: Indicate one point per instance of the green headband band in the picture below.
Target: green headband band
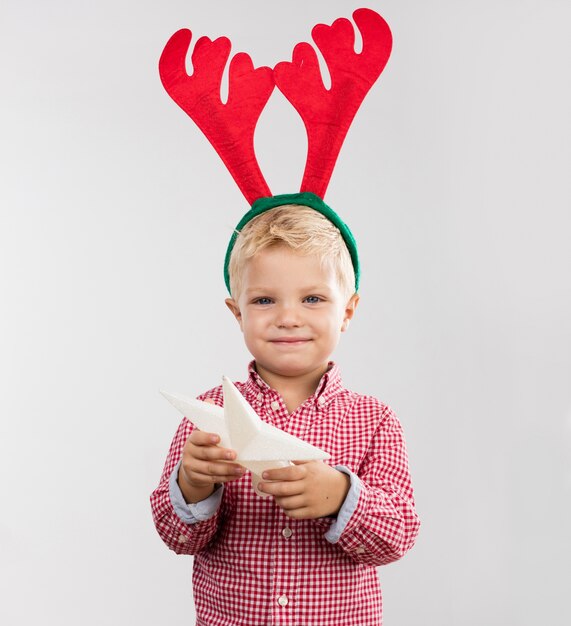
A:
(305, 199)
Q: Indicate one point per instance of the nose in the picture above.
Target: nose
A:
(288, 316)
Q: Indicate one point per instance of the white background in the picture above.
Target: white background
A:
(115, 214)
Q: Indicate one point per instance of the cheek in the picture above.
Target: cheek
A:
(331, 327)
(251, 324)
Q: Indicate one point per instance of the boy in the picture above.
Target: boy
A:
(306, 554)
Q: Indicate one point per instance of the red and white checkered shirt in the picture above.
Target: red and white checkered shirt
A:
(255, 566)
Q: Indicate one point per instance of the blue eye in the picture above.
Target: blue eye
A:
(312, 299)
(262, 301)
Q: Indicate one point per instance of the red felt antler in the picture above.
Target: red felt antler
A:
(327, 114)
(229, 127)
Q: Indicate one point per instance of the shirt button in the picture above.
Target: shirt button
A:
(282, 600)
(182, 539)
(275, 405)
(360, 550)
(321, 401)
(287, 532)
(260, 396)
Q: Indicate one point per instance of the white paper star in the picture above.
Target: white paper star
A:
(259, 446)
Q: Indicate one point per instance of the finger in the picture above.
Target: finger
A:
(301, 513)
(203, 445)
(211, 453)
(293, 472)
(209, 401)
(201, 480)
(291, 504)
(282, 489)
(202, 438)
(214, 472)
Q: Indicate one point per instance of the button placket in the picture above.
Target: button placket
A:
(287, 575)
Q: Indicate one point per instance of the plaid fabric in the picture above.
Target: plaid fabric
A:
(255, 566)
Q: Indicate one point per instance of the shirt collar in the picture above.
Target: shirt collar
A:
(329, 385)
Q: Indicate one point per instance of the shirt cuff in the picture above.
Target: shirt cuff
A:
(347, 508)
(197, 512)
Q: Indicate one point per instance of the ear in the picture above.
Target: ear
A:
(235, 309)
(349, 311)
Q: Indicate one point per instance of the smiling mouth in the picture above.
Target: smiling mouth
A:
(290, 341)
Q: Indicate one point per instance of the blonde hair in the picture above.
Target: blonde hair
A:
(300, 228)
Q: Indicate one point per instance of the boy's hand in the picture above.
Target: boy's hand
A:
(204, 465)
(307, 490)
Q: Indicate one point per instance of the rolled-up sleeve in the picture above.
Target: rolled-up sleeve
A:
(195, 512)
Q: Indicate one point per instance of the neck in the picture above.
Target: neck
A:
(293, 389)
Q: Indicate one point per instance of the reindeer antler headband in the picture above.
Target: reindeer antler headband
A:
(326, 113)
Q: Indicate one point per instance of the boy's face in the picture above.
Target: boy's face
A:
(291, 311)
